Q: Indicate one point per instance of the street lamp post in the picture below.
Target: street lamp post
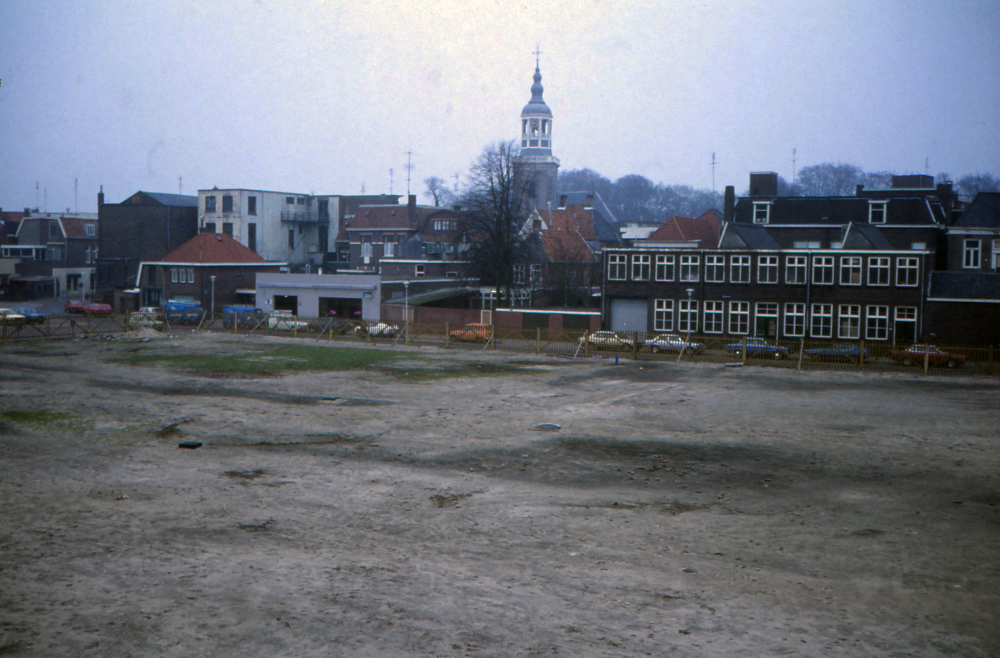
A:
(406, 310)
(687, 343)
(212, 277)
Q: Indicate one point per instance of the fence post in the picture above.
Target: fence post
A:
(989, 361)
(48, 330)
(861, 355)
(447, 335)
(802, 345)
(635, 345)
(538, 340)
(927, 357)
(743, 350)
(586, 344)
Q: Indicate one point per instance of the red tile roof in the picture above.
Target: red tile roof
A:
(207, 248)
(703, 230)
(565, 247)
(395, 217)
(574, 217)
(73, 227)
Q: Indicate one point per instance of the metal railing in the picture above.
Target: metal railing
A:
(736, 351)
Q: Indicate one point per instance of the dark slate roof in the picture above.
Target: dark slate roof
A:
(742, 236)
(983, 212)
(394, 217)
(865, 236)
(176, 200)
(964, 285)
(828, 210)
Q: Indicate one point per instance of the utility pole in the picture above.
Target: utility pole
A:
(793, 166)
(409, 168)
(714, 162)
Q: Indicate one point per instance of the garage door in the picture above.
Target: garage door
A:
(628, 315)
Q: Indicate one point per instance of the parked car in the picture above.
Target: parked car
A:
(607, 340)
(848, 352)
(242, 316)
(31, 316)
(177, 312)
(757, 346)
(475, 333)
(377, 329)
(73, 306)
(147, 316)
(9, 316)
(936, 357)
(285, 321)
(672, 344)
(98, 308)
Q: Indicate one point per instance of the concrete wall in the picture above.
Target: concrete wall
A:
(310, 287)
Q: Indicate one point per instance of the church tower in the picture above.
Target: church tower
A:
(536, 147)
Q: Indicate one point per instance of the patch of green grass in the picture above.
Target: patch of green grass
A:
(37, 416)
(271, 361)
(430, 373)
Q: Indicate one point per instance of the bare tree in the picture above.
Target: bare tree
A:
(438, 191)
(971, 185)
(495, 198)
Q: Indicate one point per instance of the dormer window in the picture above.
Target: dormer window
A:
(877, 212)
(761, 212)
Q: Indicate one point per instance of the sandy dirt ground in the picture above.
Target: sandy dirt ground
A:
(688, 510)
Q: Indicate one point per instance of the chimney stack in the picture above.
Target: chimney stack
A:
(763, 183)
(729, 204)
(100, 197)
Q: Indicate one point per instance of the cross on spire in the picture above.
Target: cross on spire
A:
(538, 52)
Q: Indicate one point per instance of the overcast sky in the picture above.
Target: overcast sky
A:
(327, 97)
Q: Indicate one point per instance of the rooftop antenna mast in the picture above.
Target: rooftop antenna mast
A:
(409, 168)
(714, 162)
(456, 182)
(793, 165)
(180, 185)
(538, 51)
(390, 180)
(36, 195)
(927, 165)
(76, 198)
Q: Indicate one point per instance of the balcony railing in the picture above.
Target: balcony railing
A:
(303, 217)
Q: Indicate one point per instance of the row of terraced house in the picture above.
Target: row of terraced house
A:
(900, 265)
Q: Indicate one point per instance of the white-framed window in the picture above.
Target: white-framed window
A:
(877, 323)
(90, 230)
(877, 212)
(823, 270)
(713, 317)
(850, 271)
(173, 275)
(418, 270)
(761, 212)
(739, 317)
(767, 310)
(663, 316)
(519, 274)
(795, 269)
(88, 255)
(664, 268)
(906, 324)
(366, 249)
(795, 319)
(918, 246)
(996, 254)
(971, 252)
(210, 204)
(822, 321)
(715, 270)
(445, 224)
(640, 267)
(190, 275)
(849, 325)
(617, 267)
(688, 315)
(907, 271)
(389, 248)
(689, 268)
(535, 274)
(878, 271)
(767, 269)
(739, 269)
(806, 244)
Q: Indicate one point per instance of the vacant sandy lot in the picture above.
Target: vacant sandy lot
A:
(679, 511)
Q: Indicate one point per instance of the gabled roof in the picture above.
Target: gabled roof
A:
(865, 236)
(605, 225)
(565, 247)
(746, 236)
(395, 217)
(703, 230)
(208, 248)
(983, 212)
(74, 227)
(163, 199)
(964, 285)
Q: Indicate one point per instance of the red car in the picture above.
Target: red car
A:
(98, 309)
(936, 358)
(73, 306)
